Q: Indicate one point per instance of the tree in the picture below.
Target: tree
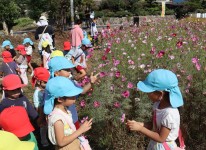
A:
(9, 12)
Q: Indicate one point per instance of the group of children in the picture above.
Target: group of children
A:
(54, 116)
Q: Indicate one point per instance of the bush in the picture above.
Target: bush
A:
(128, 56)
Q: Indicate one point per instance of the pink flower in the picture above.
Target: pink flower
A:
(122, 118)
(195, 60)
(117, 104)
(129, 85)
(123, 79)
(102, 74)
(116, 62)
(96, 104)
(160, 54)
(179, 44)
(117, 74)
(84, 119)
(152, 51)
(82, 103)
(189, 77)
(198, 66)
(131, 62)
(126, 94)
(171, 56)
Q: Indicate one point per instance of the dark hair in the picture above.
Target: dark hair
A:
(78, 22)
(56, 100)
(47, 49)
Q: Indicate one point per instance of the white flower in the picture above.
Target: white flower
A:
(142, 66)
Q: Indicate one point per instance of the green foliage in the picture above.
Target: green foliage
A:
(9, 11)
(134, 44)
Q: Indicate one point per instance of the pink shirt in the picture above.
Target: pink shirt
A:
(77, 36)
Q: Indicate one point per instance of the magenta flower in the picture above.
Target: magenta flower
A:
(179, 44)
(126, 94)
(117, 104)
(129, 85)
(122, 118)
(82, 103)
(102, 74)
(160, 54)
(96, 104)
(198, 66)
(117, 74)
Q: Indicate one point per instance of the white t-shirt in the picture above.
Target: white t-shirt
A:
(29, 50)
(54, 118)
(47, 57)
(170, 118)
(78, 54)
(38, 97)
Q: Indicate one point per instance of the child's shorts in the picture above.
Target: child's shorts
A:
(28, 57)
(78, 68)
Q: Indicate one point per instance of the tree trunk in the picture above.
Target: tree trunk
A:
(5, 28)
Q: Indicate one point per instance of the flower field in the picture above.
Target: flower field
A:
(129, 54)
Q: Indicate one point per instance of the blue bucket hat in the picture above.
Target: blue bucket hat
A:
(7, 43)
(59, 87)
(28, 40)
(162, 80)
(58, 63)
(86, 42)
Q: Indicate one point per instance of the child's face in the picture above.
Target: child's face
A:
(26, 44)
(155, 96)
(14, 94)
(64, 72)
(42, 84)
(7, 47)
(69, 101)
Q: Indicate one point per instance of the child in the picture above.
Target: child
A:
(29, 46)
(22, 63)
(15, 120)
(8, 66)
(62, 131)
(162, 88)
(79, 60)
(6, 45)
(67, 47)
(60, 66)
(46, 53)
(10, 142)
(56, 53)
(94, 32)
(39, 80)
(13, 96)
(86, 44)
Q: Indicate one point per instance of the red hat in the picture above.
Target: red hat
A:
(15, 120)
(21, 49)
(67, 45)
(41, 74)
(7, 57)
(12, 82)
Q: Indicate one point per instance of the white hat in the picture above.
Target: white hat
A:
(43, 18)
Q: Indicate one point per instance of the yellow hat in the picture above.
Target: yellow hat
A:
(10, 142)
(45, 44)
(56, 53)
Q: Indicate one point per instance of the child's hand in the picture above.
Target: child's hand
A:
(86, 126)
(134, 126)
(93, 77)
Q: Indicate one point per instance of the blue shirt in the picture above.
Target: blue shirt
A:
(8, 68)
(21, 101)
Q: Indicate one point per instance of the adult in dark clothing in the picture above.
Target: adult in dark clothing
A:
(44, 27)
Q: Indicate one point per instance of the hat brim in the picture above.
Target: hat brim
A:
(24, 130)
(176, 99)
(25, 145)
(49, 101)
(142, 86)
(15, 87)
